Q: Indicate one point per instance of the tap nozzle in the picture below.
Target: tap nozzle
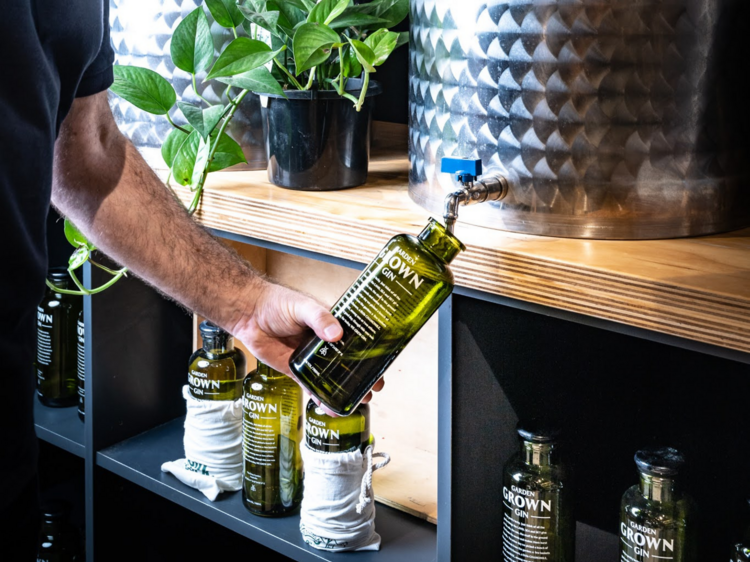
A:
(492, 187)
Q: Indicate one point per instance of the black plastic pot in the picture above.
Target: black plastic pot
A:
(316, 140)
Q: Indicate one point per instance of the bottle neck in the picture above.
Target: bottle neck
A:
(658, 489)
(441, 243)
(538, 454)
(218, 343)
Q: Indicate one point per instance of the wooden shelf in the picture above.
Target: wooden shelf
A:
(693, 288)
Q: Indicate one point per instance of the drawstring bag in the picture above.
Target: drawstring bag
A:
(213, 446)
(338, 511)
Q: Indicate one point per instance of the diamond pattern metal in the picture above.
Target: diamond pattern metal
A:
(611, 118)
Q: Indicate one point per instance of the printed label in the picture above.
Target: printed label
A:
(526, 524)
(639, 543)
(81, 367)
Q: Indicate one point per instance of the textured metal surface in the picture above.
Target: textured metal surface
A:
(611, 118)
(141, 33)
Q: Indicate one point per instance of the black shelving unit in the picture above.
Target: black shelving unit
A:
(614, 389)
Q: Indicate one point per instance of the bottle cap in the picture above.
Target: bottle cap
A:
(210, 329)
(440, 242)
(55, 510)
(659, 461)
(59, 276)
(538, 431)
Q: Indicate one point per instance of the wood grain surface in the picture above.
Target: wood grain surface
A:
(695, 288)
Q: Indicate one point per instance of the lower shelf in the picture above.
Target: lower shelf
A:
(61, 427)
(139, 459)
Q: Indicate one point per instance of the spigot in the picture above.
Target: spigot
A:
(492, 187)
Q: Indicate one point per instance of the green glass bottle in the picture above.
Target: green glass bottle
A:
(327, 434)
(538, 522)
(741, 551)
(656, 518)
(271, 436)
(59, 541)
(81, 366)
(57, 350)
(380, 313)
(218, 368)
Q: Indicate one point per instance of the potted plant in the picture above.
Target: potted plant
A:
(317, 131)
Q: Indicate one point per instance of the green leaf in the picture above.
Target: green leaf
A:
(393, 11)
(403, 38)
(144, 88)
(312, 45)
(291, 16)
(225, 12)
(75, 237)
(173, 143)
(241, 55)
(304, 5)
(201, 161)
(364, 54)
(352, 67)
(228, 153)
(79, 257)
(267, 19)
(357, 19)
(184, 160)
(326, 11)
(260, 81)
(192, 47)
(203, 120)
(382, 43)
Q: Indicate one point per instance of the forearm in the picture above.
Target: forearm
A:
(103, 185)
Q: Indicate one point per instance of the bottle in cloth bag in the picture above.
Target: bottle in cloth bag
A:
(741, 551)
(537, 509)
(57, 351)
(380, 313)
(271, 436)
(656, 517)
(218, 368)
(327, 434)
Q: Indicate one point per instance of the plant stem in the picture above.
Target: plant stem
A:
(83, 290)
(199, 188)
(195, 89)
(311, 78)
(341, 71)
(176, 126)
(103, 268)
(363, 93)
(234, 30)
(289, 74)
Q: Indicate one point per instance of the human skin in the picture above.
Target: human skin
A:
(103, 185)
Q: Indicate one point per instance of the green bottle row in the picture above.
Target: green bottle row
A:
(657, 519)
(60, 366)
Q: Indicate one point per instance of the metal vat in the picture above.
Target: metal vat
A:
(611, 118)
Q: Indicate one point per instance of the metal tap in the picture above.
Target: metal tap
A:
(492, 187)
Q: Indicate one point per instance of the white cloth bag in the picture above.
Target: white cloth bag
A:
(213, 446)
(338, 512)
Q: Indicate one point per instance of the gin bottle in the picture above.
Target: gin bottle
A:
(537, 509)
(218, 368)
(81, 366)
(57, 351)
(271, 435)
(656, 517)
(380, 313)
(329, 434)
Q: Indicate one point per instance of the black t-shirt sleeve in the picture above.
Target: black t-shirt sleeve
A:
(98, 76)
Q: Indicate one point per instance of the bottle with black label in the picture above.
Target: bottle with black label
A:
(327, 434)
(656, 517)
(59, 541)
(57, 348)
(537, 510)
(81, 367)
(380, 313)
(218, 368)
(741, 551)
(271, 436)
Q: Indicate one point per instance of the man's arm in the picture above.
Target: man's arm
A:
(103, 185)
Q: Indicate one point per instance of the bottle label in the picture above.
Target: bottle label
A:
(639, 542)
(530, 518)
(272, 469)
(44, 340)
(81, 364)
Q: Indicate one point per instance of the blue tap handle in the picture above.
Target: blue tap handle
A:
(465, 170)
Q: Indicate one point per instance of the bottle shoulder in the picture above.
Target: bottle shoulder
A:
(532, 477)
(656, 514)
(256, 383)
(424, 262)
